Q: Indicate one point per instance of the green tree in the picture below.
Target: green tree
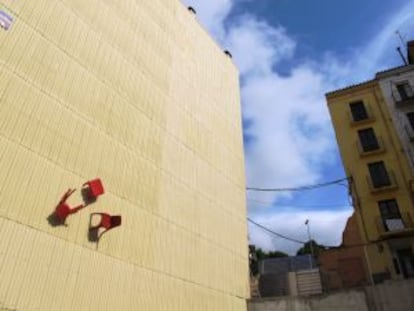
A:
(260, 254)
(306, 248)
(276, 254)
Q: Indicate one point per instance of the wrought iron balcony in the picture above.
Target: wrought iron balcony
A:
(402, 102)
(409, 131)
(403, 96)
(395, 227)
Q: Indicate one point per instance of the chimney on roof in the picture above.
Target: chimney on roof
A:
(410, 52)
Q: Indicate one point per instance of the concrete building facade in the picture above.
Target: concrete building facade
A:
(400, 106)
(376, 154)
(137, 94)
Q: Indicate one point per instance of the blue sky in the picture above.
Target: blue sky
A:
(323, 25)
(289, 54)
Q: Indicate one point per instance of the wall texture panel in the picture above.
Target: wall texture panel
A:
(137, 94)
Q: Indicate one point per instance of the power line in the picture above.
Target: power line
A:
(328, 247)
(275, 233)
(297, 206)
(302, 188)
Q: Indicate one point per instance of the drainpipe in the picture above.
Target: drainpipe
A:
(357, 204)
(367, 239)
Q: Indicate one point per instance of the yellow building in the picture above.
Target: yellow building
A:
(135, 93)
(370, 121)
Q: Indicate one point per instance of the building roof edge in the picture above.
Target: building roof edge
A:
(347, 88)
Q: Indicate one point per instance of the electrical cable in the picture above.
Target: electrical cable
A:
(309, 187)
(302, 188)
(297, 206)
(329, 247)
(276, 233)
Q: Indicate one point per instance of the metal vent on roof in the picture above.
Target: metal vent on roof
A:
(228, 53)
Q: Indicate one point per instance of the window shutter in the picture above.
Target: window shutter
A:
(395, 93)
(409, 90)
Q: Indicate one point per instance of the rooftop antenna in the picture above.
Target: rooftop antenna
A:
(398, 33)
(402, 56)
(399, 48)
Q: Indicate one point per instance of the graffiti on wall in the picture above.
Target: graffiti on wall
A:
(6, 19)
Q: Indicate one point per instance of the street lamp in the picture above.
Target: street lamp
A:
(310, 243)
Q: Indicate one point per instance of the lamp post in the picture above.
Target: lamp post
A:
(310, 243)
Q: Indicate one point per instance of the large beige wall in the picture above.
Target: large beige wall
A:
(136, 93)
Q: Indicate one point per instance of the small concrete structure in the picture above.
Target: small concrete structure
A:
(343, 301)
(275, 279)
(391, 296)
(388, 296)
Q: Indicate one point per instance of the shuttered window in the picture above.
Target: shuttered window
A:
(358, 111)
(368, 140)
(379, 174)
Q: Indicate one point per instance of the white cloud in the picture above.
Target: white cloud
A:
(288, 118)
(325, 227)
(290, 122)
(258, 45)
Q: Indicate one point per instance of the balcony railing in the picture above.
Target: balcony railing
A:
(410, 132)
(369, 150)
(383, 186)
(411, 185)
(399, 226)
(407, 98)
(405, 102)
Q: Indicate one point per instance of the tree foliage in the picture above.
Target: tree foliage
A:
(306, 249)
(259, 254)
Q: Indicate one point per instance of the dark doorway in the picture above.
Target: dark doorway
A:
(406, 259)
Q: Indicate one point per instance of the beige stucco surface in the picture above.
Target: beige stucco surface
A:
(137, 94)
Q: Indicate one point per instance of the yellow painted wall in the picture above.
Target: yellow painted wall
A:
(366, 201)
(136, 93)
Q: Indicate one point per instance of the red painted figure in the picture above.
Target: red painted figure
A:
(95, 188)
(63, 210)
(107, 222)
